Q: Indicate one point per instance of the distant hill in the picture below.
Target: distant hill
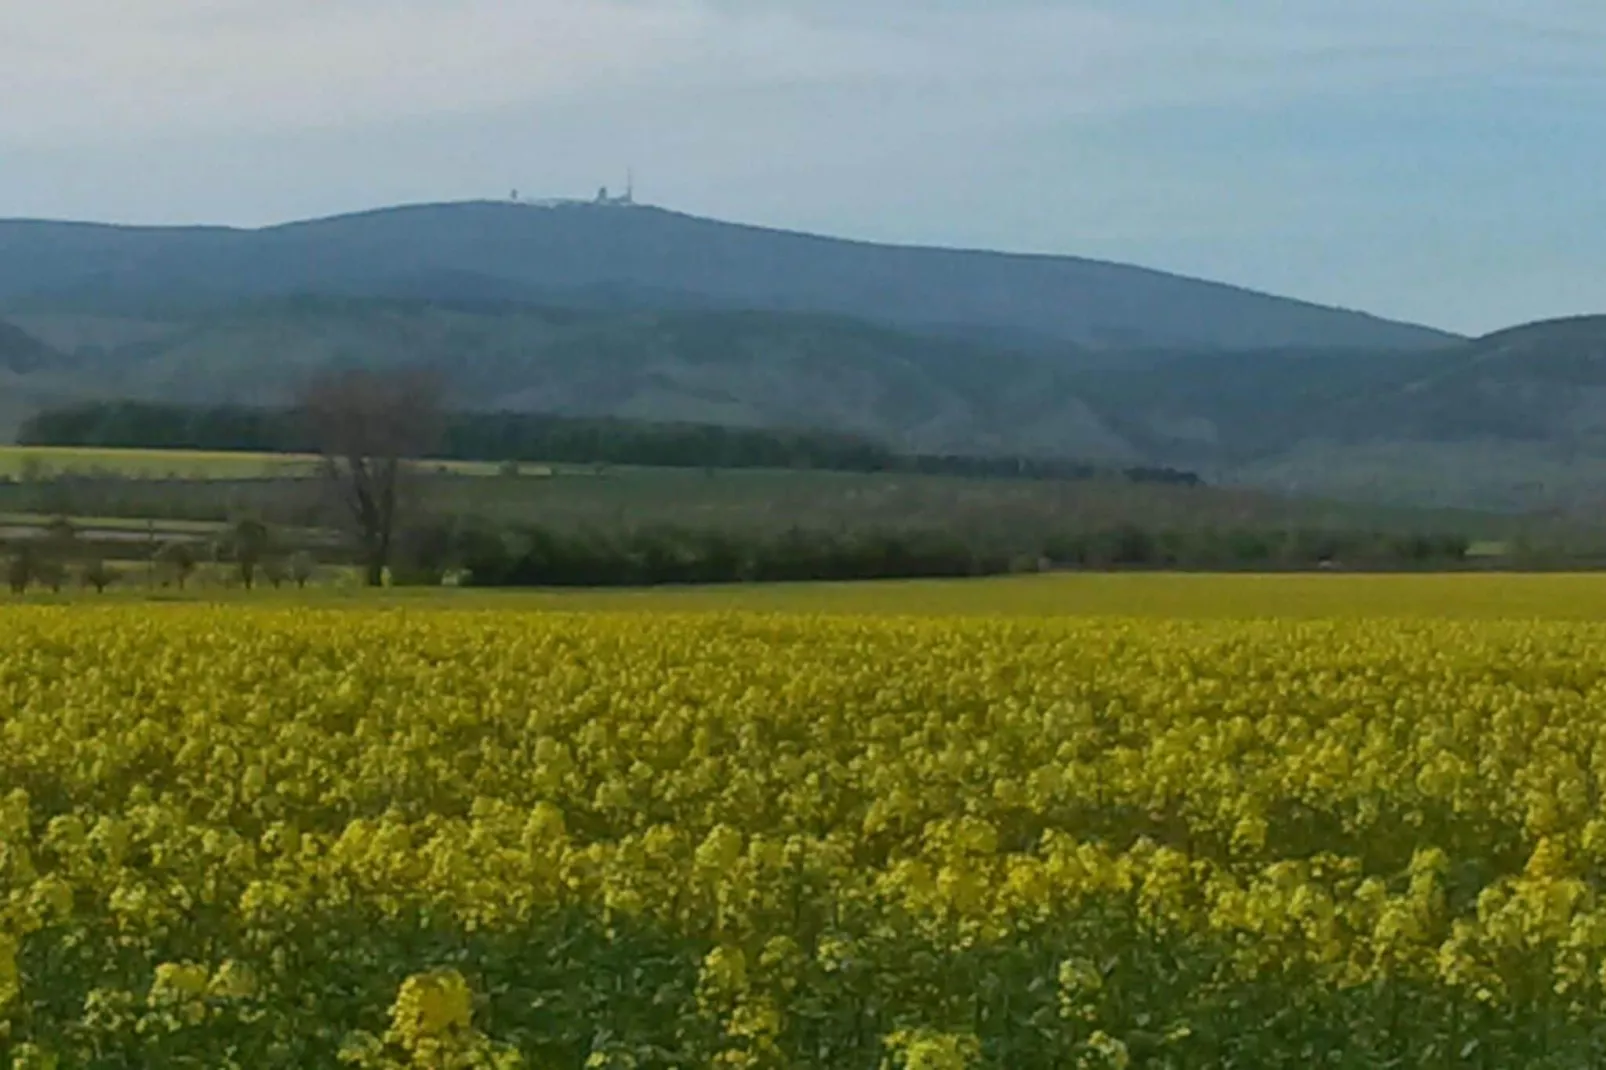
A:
(1516, 420)
(756, 369)
(597, 311)
(649, 258)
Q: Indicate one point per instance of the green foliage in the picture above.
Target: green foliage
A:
(1130, 545)
(537, 557)
(649, 557)
(425, 550)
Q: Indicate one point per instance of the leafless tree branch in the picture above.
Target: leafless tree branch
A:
(368, 426)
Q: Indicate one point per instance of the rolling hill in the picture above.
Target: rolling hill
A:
(738, 368)
(636, 312)
(1513, 421)
(648, 258)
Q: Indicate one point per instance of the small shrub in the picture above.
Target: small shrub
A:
(302, 568)
(51, 573)
(97, 574)
(20, 570)
(176, 562)
(275, 572)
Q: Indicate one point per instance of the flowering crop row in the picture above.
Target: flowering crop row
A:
(286, 837)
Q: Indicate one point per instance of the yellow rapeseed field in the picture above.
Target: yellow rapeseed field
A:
(281, 836)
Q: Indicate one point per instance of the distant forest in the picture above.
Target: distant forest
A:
(539, 437)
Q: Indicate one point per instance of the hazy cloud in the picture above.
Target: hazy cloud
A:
(76, 69)
(1280, 143)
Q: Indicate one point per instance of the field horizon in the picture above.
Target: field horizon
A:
(1132, 595)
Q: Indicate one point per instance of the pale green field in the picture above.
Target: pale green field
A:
(1160, 596)
(18, 461)
(44, 461)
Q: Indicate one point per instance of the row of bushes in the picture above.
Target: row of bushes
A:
(1132, 546)
(534, 557)
(531, 556)
(481, 555)
(59, 553)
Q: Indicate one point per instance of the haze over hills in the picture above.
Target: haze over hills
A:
(642, 257)
(1515, 420)
(22, 353)
(738, 368)
(636, 312)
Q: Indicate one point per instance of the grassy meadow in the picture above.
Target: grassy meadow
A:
(125, 504)
(598, 494)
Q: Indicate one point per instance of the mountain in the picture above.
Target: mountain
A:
(607, 256)
(637, 312)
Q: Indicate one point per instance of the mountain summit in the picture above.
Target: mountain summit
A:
(620, 256)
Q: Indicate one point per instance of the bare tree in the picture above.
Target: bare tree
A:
(367, 426)
(176, 560)
(248, 542)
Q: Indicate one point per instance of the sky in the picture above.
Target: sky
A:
(1441, 161)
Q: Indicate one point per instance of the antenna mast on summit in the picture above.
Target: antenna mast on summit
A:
(630, 185)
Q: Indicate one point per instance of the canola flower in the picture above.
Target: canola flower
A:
(284, 837)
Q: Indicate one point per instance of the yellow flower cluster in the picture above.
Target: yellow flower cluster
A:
(278, 836)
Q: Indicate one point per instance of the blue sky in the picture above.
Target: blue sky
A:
(1435, 160)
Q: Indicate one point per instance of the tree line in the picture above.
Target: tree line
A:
(533, 556)
(429, 552)
(544, 437)
(247, 552)
(367, 430)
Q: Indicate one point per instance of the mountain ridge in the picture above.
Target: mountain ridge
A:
(654, 252)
